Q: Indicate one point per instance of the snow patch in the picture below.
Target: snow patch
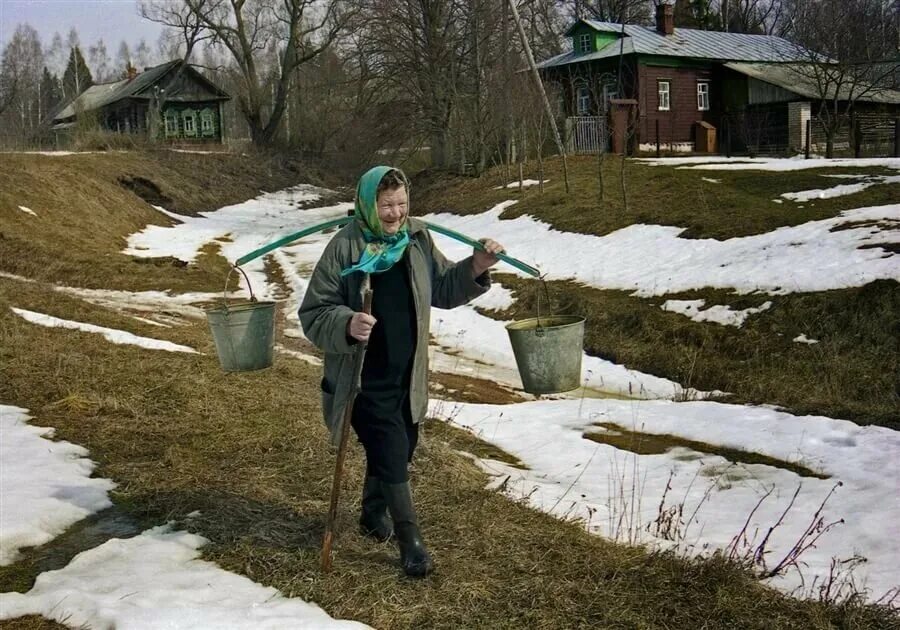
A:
(28, 211)
(654, 259)
(45, 486)
(796, 163)
(711, 180)
(251, 224)
(840, 190)
(804, 339)
(497, 298)
(156, 580)
(718, 313)
(309, 358)
(570, 476)
(525, 184)
(115, 336)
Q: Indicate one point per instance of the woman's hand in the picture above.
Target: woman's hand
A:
(360, 326)
(484, 260)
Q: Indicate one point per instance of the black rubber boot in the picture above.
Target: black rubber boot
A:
(414, 557)
(373, 520)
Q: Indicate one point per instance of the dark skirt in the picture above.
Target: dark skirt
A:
(389, 439)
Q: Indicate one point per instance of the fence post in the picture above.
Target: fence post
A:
(808, 138)
(728, 137)
(897, 137)
(857, 135)
(657, 138)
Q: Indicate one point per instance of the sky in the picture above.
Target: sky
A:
(112, 20)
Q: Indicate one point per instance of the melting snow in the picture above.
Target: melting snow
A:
(650, 260)
(573, 477)
(840, 190)
(45, 486)
(28, 211)
(156, 580)
(115, 336)
(497, 298)
(718, 314)
(309, 358)
(805, 339)
(655, 259)
(711, 180)
(769, 164)
(525, 184)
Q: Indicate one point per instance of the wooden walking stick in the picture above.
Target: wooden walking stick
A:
(358, 359)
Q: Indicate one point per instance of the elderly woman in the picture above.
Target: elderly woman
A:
(408, 276)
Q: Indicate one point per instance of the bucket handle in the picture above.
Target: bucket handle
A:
(539, 331)
(228, 278)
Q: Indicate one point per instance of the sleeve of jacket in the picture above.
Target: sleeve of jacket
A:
(324, 312)
(452, 284)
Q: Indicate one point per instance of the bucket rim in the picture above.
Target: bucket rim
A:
(522, 325)
(240, 306)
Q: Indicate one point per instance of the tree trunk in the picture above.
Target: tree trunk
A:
(439, 153)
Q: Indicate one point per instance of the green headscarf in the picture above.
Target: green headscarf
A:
(382, 250)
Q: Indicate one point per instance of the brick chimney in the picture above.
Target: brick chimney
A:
(130, 72)
(665, 18)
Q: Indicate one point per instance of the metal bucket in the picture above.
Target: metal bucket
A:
(244, 333)
(548, 352)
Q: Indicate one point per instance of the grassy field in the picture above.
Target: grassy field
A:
(739, 205)
(249, 451)
(852, 373)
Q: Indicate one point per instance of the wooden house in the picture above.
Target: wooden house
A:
(681, 86)
(192, 106)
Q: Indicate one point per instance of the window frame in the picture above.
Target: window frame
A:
(584, 43)
(582, 93)
(206, 123)
(667, 92)
(703, 94)
(192, 117)
(173, 129)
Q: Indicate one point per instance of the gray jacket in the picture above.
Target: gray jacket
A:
(331, 300)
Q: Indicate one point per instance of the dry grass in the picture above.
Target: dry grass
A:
(32, 622)
(86, 205)
(659, 443)
(738, 206)
(851, 373)
(250, 452)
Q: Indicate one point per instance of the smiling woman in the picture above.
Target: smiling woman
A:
(408, 275)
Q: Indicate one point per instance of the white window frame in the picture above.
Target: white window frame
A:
(703, 96)
(192, 129)
(664, 96)
(206, 123)
(584, 43)
(171, 129)
(582, 100)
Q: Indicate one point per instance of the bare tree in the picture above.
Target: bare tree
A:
(841, 65)
(632, 11)
(416, 46)
(540, 87)
(299, 30)
(98, 58)
(21, 67)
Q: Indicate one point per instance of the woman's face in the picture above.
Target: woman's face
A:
(392, 209)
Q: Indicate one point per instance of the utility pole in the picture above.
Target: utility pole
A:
(540, 86)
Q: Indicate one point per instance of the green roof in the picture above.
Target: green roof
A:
(103, 94)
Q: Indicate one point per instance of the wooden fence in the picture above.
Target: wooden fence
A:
(587, 134)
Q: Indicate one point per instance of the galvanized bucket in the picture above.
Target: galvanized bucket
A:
(548, 352)
(243, 333)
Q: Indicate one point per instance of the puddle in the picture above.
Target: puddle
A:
(56, 554)
(658, 444)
